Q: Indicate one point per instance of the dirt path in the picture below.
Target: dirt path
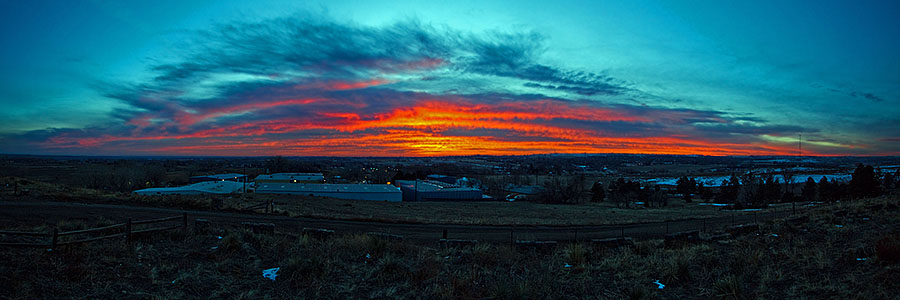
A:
(49, 212)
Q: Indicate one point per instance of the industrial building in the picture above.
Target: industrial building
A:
(200, 188)
(291, 178)
(522, 192)
(220, 177)
(373, 192)
(442, 178)
(427, 190)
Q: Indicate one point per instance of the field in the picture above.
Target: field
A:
(844, 251)
(488, 212)
(460, 213)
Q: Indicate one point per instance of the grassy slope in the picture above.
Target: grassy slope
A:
(813, 260)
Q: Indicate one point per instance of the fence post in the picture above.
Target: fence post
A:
(623, 231)
(667, 226)
(54, 239)
(128, 231)
(704, 224)
(184, 222)
(444, 234)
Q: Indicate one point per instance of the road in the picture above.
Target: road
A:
(49, 212)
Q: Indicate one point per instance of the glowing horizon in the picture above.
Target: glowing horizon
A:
(410, 79)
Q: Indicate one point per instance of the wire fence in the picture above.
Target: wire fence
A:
(128, 229)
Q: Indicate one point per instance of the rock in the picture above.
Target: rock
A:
(798, 220)
(717, 237)
(318, 233)
(386, 236)
(201, 225)
(536, 245)
(613, 243)
(681, 237)
(457, 243)
(259, 227)
(743, 229)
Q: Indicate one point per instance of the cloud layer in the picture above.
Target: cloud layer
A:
(311, 86)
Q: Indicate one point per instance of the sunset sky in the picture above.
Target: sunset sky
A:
(430, 78)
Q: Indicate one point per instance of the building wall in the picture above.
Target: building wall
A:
(410, 194)
(371, 196)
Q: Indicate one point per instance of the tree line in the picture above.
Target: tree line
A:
(749, 190)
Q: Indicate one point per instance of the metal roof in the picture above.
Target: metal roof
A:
(221, 176)
(206, 187)
(428, 185)
(289, 176)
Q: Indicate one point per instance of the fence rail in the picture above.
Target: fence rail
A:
(25, 233)
(155, 220)
(128, 232)
(268, 205)
(90, 230)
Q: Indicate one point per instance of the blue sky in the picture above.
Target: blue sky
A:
(171, 77)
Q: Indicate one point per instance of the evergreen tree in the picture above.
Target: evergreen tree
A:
(809, 190)
(826, 191)
(597, 192)
(686, 188)
(864, 182)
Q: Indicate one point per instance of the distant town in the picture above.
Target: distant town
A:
(654, 179)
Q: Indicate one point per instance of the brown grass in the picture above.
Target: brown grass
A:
(808, 261)
(462, 213)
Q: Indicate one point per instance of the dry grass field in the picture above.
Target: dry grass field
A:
(483, 212)
(846, 251)
(462, 213)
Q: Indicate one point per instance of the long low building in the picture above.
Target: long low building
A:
(374, 192)
(220, 177)
(427, 190)
(291, 178)
(200, 188)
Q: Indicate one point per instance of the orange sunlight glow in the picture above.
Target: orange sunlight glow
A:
(429, 128)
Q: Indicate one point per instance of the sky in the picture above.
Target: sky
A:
(435, 78)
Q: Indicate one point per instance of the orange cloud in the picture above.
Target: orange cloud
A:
(426, 128)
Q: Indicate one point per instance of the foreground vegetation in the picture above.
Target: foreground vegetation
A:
(843, 251)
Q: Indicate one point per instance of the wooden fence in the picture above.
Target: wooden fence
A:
(268, 205)
(125, 230)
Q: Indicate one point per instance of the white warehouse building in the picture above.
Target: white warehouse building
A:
(200, 188)
(374, 192)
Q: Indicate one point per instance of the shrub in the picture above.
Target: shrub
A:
(888, 249)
